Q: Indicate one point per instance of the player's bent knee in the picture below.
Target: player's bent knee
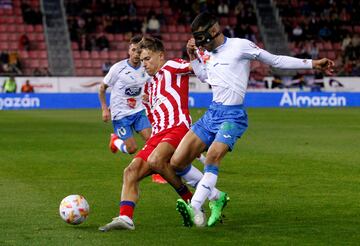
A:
(214, 157)
(131, 149)
(130, 174)
(176, 163)
(156, 164)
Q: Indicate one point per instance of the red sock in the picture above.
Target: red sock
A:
(127, 208)
(185, 193)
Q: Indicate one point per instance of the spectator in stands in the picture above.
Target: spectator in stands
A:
(346, 41)
(102, 42)
(297, 33)
(229, 32)
(14, 63)
(314, 51)
(223, 8)
(24, 42)
(27, 87)
(105, 67)
(9, 85)
(153, 25)
(325, 33)
(277, 82)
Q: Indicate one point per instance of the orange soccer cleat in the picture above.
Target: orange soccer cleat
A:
(112, 146)
(157, 178)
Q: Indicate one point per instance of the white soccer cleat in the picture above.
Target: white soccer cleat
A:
(200, 218)
(121, 222)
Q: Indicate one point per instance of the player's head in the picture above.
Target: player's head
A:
(134, 52)
(205, 29)
(152, 54)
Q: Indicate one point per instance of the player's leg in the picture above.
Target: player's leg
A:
(142, 125)
(159, 163)
(123, 138)
(133, 174)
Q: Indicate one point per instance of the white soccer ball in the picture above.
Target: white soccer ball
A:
(74, 209)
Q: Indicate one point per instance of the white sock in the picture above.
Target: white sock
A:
(193, 177)
(120, 145)
(203, 190)
(201, 159)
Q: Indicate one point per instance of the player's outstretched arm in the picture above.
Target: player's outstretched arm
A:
(102, 98)
(325, 65)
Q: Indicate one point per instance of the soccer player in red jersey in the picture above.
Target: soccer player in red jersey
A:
(166, 104)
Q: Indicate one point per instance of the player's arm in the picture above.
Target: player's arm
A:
(102, 98)
(288, 62)
(195, 63)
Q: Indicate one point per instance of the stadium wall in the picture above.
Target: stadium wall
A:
(75, 92)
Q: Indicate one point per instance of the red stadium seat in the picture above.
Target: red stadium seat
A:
(29, 29)
(44, 63)
(13, 37)
(165, 36)
(328, 46)
(104, 54)
(78, 63)
(4, 46)
(97, 64)
(11, 28)
(20, 28)
(86, 63)
(23, 54)
(118, 37)
(168, 46)
(94, 54)
(3, 37)
(34, 63)
(14, 46)
(85, 54)
(181, 29)
(175, 36)
(122, 55)
(76, 54)
(172, 28)
(42, 54)
(74, 46)
(178, 46)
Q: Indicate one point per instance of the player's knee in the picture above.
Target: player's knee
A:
(131, 149)
(176, 163)
(155, 163)
(130, 174)
(213, 157)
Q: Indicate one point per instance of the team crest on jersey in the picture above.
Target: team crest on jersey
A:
(133, 91)
(131, 102)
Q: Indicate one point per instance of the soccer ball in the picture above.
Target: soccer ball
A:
(74, 209)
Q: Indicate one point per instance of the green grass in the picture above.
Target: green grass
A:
(294, 179)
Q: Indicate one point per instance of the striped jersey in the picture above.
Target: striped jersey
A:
(127, 85)
(168, 95)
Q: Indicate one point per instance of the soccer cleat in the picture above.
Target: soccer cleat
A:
(217, 207)
(121, 222)
(200, 218)
(112, 146)
(186, 212)
(157, 178)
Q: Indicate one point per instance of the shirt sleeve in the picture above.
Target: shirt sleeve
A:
(109, 78)
(199, 70)
(183, 66)
(284, 62)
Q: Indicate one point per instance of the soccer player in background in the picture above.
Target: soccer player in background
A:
(224, 63)
(127, 79)
(168, 112)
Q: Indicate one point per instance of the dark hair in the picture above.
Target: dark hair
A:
(152, 44)
(136, 39)
(204, 19)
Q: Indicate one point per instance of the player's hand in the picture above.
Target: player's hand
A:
(325, 65)
(191, 48)
(145, 98)
(106, 115)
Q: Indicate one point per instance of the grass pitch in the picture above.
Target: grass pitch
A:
(294, 179)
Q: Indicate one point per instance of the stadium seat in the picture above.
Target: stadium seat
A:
(104, 54)
(44, 63)
(181, 29)
(165, 37)
(94, 54)
(178, 46)
(78, 63)
(86, 63)
(76, 54)
(4, 46)
(96, 64)
(29, 29)
(172, 28)
(168, 46)
(42, 54)
(85, 54)
(3, 37)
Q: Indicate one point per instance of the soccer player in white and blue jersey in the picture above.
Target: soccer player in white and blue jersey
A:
(225, 65)
(127, 112)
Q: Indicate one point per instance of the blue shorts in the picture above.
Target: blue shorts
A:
(221, 123)
(125, 126)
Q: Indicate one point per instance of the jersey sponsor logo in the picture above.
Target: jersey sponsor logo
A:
(133, 91)
(227, 136)
(131, 102)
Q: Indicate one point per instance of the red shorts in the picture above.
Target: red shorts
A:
(172, 136)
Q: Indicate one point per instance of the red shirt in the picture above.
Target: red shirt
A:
(168, 93)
